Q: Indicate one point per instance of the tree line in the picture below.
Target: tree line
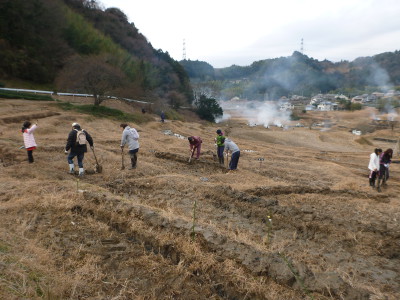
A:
(297, 74)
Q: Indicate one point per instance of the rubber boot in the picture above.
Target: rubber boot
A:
(71, 169)
(81, 172)
(379, 185)
(372, 182)
(133, 164)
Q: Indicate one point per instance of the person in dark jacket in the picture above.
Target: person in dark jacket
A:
(76, 143)
(162, 115)
(385, 160)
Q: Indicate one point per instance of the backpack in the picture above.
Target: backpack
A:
(80, 137)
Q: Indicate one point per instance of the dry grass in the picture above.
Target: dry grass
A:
(128, 235)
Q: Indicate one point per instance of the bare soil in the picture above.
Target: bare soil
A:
(302, 224)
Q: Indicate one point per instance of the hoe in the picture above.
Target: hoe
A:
(97, 167)
(122, 160)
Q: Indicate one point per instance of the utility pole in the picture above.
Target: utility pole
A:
(184, 50)
(302, 46)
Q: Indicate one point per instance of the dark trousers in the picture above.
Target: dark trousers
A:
(30, 156)
(220, 152)
(382, 172)
(372, 178)
(79, 156)
(133, 154)
(234, 160)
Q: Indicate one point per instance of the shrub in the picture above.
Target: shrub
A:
(208, 108)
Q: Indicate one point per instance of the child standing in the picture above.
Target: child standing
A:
(29, 140)
(220, 141)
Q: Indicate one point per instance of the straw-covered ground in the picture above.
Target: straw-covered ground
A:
(301, 224)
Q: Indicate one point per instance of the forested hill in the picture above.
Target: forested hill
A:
(57, 43)
(297, 74)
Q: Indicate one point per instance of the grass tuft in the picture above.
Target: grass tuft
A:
(24, 95)
(105, 112)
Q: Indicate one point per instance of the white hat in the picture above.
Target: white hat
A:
(75, 125)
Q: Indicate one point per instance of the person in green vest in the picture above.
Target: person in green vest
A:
(220, 141)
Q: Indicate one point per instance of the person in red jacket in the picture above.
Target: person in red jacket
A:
(195, 144)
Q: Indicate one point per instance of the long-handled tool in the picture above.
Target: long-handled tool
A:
(97, 167)
(191, 154)
(227, 160)
(122, 160)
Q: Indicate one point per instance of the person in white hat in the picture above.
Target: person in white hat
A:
(76, 143)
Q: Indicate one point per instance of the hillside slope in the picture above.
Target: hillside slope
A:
(41, 40)
(298, 74)
(128, 234)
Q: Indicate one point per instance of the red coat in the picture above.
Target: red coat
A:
(195, 143)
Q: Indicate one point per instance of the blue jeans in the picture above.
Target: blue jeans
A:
(80, 157)
(220, 151)
(234, 160)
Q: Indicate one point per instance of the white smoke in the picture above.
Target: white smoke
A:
(224, 117)
(256, 113)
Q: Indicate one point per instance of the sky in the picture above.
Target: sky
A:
(224, 33)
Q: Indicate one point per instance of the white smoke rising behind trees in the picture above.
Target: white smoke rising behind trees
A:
(256, 113)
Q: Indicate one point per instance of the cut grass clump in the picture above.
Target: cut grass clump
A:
(363, 141)
(24, 95)
(172, 114)
(106, 112)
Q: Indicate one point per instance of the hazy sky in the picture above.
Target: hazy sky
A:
(224, 33)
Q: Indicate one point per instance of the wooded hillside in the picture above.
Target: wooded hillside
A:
(297, 74)
(43, 41)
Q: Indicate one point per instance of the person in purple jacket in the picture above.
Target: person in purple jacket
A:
(195, 144)
(29, 140)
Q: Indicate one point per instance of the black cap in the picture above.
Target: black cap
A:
(219, 131)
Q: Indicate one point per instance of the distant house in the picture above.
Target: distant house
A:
(310, 107)
(341, 97)
(390, 93)
(357, 99)
(286, 106)
(317, 99)
(378, 94)
(327, 106)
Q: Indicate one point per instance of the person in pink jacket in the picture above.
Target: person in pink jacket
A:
(195, 144)
(29, 140)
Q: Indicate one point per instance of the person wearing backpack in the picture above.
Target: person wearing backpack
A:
(76, 143)
(29, 140)
(131, 137)
(220, 140)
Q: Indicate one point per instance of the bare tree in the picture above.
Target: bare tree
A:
(91, 75)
